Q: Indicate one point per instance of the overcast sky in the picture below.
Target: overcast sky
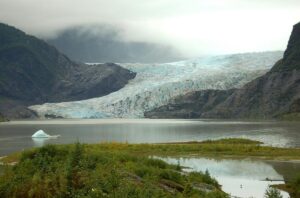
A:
(196, 27)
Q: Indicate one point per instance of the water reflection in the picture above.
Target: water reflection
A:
(241, 178)
(39, 142)
(16, 135)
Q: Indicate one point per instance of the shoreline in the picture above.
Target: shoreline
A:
(214, 149)
(240, 151)
(147, 119)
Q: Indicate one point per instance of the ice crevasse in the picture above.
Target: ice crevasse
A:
(155, 84)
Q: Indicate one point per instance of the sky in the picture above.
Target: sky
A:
(195, 27)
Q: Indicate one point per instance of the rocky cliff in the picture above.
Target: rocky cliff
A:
(190, 105)
(275, 94)
(33, 72)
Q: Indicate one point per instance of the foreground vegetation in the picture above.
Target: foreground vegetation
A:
(219, 148)
(290, 117)
(85, 171)
(2, 118)
(292, 187)
(124, 170)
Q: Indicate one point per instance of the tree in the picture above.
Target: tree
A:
(272, 193)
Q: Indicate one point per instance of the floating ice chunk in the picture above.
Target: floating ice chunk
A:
(42, 134)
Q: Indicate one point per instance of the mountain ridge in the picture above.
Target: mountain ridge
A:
(155, 84)
(34, 72)
(273, 95)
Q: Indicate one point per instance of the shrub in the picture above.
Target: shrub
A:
(171, 175)
(156, 163)
(272, 193)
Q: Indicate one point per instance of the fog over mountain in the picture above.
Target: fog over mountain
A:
(103, 43)
(194, 27)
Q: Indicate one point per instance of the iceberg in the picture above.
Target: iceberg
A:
(156, 84)
(41, 134)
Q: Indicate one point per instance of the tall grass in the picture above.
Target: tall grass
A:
(80, 170)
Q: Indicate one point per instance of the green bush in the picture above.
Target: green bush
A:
(171, 175)
(156, 163)
(295, 185)
(80, 170)
(272, 193)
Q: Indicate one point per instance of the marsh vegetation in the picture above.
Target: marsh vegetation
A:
(123, 170)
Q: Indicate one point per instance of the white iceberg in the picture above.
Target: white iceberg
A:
(41, 134)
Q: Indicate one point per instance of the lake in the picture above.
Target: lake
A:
(241, 178)
(16, 135)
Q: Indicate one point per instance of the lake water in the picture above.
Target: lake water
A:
(16, 135)
(241, 178)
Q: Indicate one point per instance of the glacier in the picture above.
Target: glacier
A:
(155, 84)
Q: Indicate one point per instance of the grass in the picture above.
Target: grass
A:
(123, 170)
(222, 148)
(290, 117)
(86, 171)
(2, 118)
(232, 141)
(230, 147)
(292, 187)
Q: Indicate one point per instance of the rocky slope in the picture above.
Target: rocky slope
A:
(275, 94)
(155, 84)
(33, 72)
(190, 105)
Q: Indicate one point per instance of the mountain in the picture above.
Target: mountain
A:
(275, 94)
(190, 105)
(155, 84)
(33, 72)
(99, 44)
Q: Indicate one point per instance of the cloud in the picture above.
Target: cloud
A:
(196, 27)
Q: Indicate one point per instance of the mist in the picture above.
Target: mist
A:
(193, 27)
(103, 43)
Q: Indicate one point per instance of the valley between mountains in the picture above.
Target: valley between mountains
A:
(37, 80)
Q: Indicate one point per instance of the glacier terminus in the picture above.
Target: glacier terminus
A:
(155, 84)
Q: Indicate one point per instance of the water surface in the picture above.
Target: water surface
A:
(241, 178)
(16, 135)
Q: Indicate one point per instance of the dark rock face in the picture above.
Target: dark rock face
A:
(190, 105)
(33, 72)
(291, 58)
(274, 94)
(271, 95)
(89, 81)
(14, 109)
